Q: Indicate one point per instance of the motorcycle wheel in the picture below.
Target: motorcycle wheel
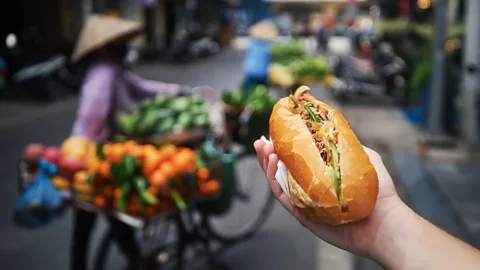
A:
(399, 92)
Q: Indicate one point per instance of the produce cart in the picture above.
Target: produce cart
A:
(215, 179)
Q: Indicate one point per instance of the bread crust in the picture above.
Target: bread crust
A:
(311, 188)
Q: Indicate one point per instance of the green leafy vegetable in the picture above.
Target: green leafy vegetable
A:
(165, 125)
(127, 121)
(201, 120)
(180, 104)
(179, 201)
(160, 101)
(309, 66)
(184, 120)
(100, 153)
(141, 185)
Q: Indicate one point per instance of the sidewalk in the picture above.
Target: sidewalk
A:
(444, 192)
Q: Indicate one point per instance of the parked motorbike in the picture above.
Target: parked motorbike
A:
(191, 45)
(381, 72)
(28, 71)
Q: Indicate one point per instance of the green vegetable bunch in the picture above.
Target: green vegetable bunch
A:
(309, 67)
(128, 176)
(161, 114)
(285, 53)
(259, 100)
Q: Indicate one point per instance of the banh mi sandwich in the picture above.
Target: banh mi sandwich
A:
(330, 177)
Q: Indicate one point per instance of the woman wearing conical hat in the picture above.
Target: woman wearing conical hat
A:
(108, 87)
(257, 55)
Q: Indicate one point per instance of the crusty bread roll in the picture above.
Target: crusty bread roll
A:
(312, 185)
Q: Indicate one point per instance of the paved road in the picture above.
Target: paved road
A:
(281, 244)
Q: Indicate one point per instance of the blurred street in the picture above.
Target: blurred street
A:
(281, 244)
(403, 73)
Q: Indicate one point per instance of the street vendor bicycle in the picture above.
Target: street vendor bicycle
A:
(207, 227)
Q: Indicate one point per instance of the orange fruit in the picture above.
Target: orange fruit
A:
(158, 178)
(214, 185)
(168, 169)
(188, 153)
(116, 153)
(107, 150)
(92, 151)
(184, 160)
(99, 201)
(149, 148)
(117, 193)
(138, 152)
(151, 163)
(211, 186)
(169, 150)
(129, 145)
(76, 146)
(203, 174)
(80, 177)
(93, 165)
(104, 169)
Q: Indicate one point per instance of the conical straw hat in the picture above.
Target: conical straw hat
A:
(100, 30)
(264, 30)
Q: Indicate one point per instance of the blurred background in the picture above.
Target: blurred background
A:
(405, 73)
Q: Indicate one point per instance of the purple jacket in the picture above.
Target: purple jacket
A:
(109, 88)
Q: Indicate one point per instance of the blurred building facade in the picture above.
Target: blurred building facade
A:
(58, 22)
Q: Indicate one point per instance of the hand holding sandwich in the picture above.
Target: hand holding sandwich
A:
(355, 237)
(343, 193)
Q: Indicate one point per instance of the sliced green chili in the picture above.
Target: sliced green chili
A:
(309, 110)
(336, 167)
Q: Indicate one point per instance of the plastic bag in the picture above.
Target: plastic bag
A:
(40, 203)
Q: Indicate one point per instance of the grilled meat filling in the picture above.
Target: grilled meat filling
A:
(321, 125)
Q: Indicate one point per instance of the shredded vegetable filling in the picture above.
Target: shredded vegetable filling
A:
(320, 123)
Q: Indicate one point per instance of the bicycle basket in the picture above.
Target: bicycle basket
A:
(221, 204)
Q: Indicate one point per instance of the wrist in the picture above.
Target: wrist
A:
(390, 244)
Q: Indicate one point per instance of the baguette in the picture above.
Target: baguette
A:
(330, 176)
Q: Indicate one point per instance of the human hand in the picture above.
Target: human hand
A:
(359, 237)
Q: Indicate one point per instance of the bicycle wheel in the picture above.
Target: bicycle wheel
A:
(103, 251)
(250, 207)
(150, 239)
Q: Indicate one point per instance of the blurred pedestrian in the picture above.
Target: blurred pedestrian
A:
(108, 87)
(257, 56)
(301, 29)
(326, 31)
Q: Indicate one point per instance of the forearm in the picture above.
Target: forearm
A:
(407, 241)
(149, 88)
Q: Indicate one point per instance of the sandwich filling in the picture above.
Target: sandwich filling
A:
(320, 123)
